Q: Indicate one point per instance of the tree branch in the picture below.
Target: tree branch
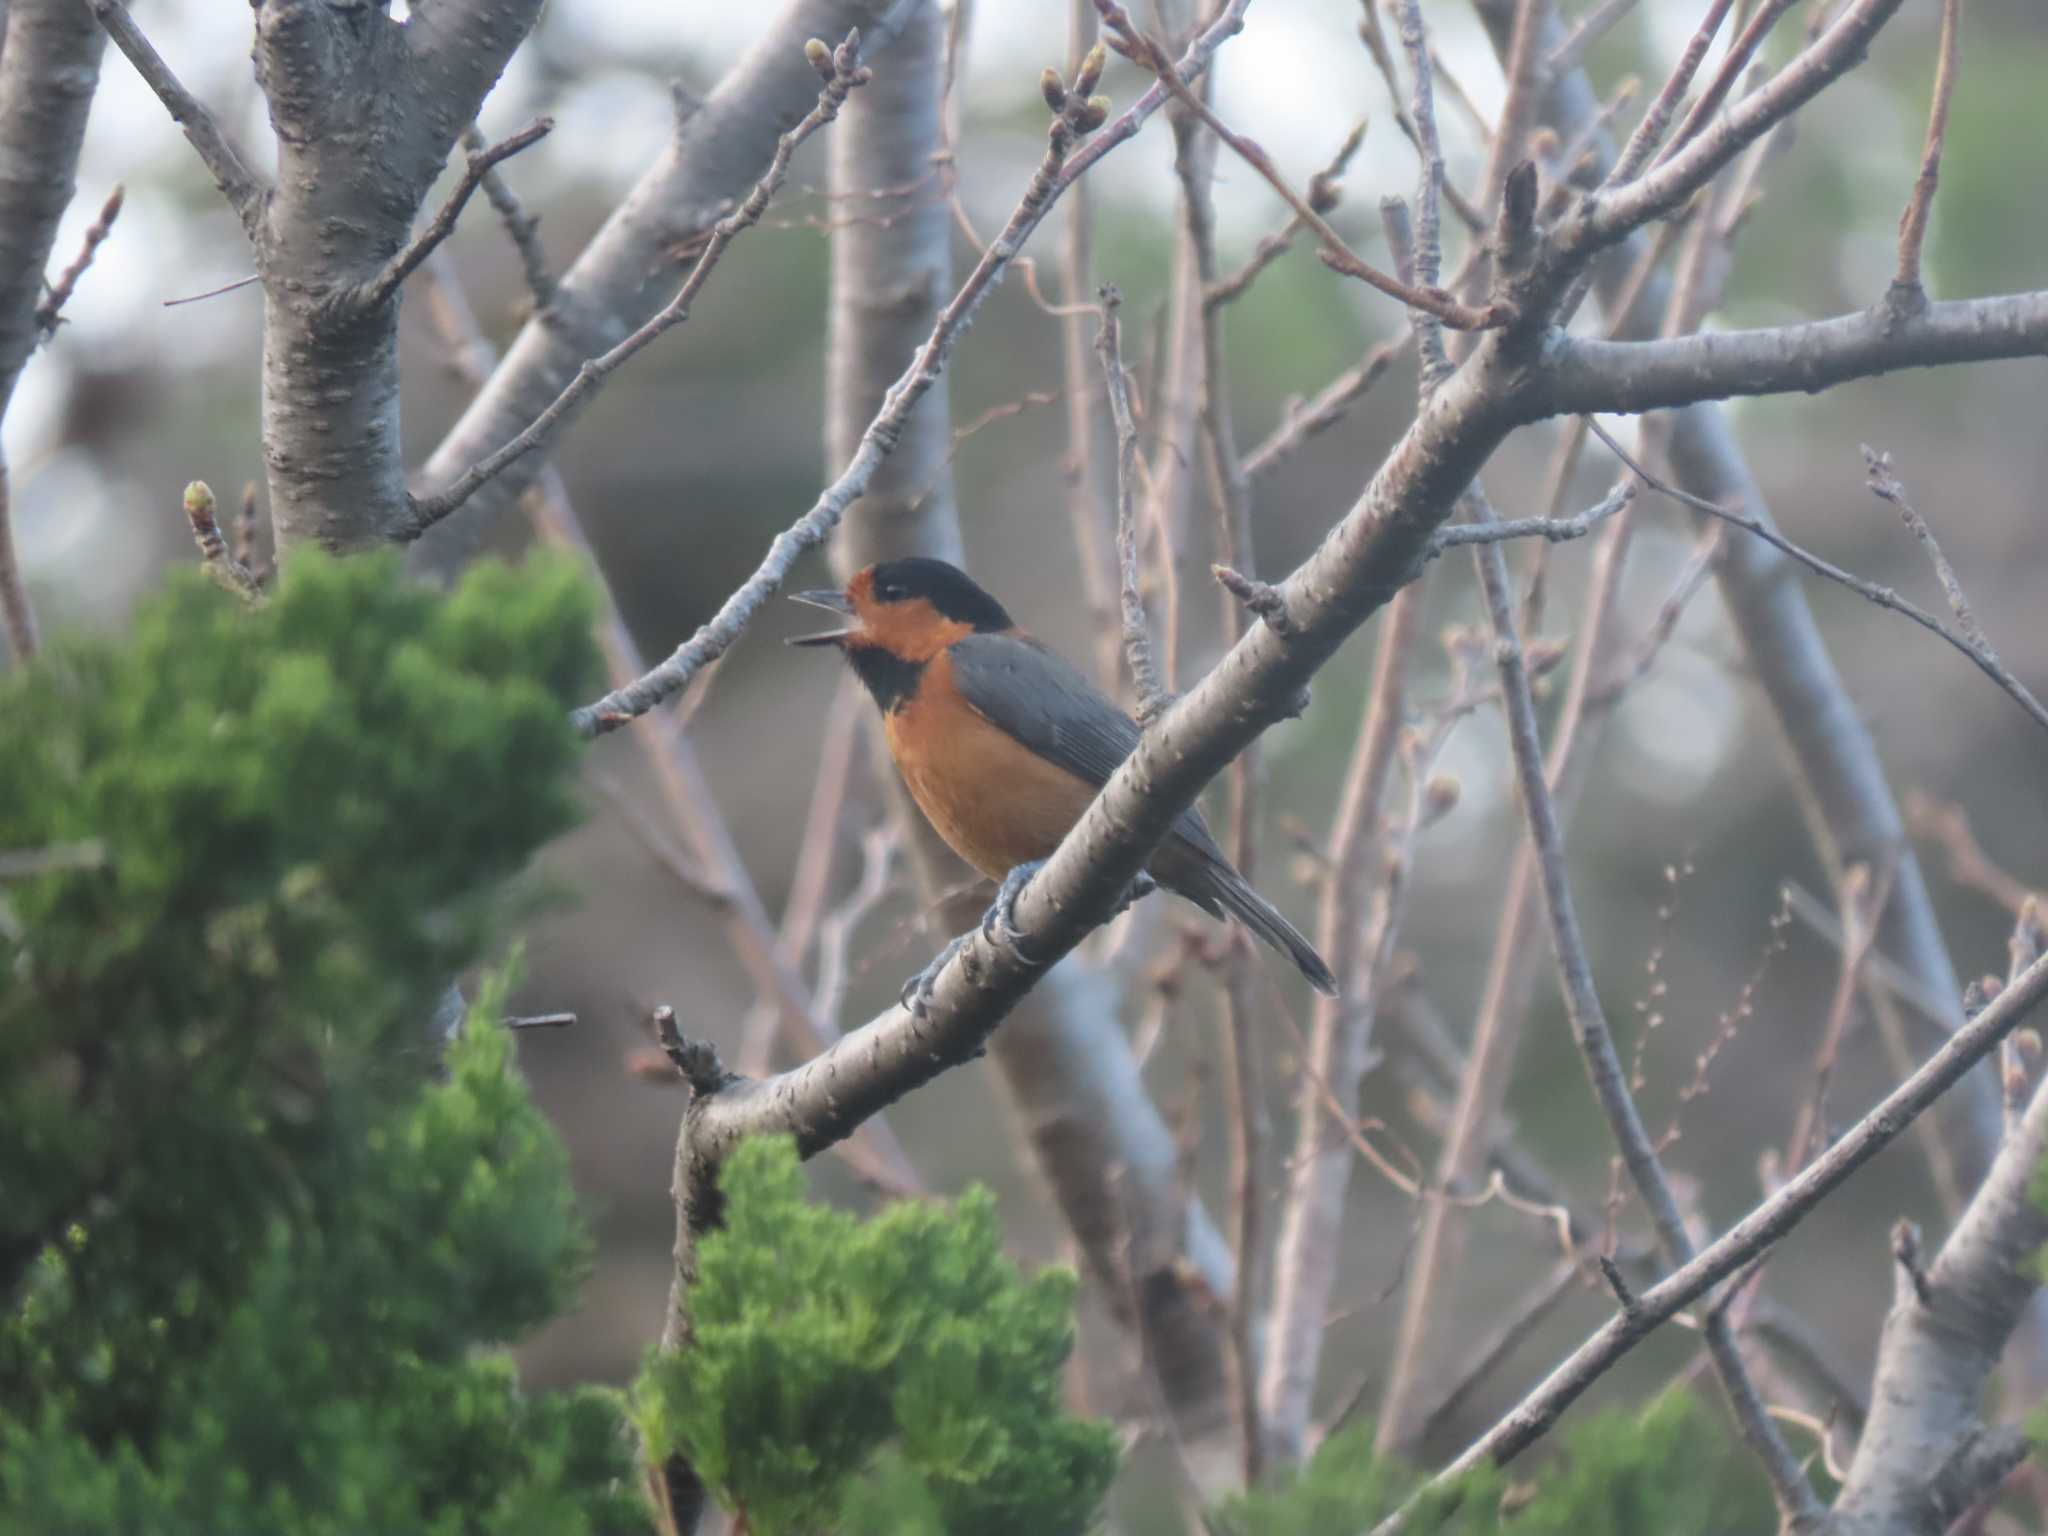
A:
(1336, 254)
(385, 285)
(1832, 748)
(1985, 658)
(242, 188)
(1797, 1502)
(1757, 1232)
(1939, 1348)
(1606, 217)
(50, 312)
(1913, 222)
(1630, 377)
(843, 73)
(1056, 171)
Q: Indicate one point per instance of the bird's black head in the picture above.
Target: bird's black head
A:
(950, 591)
(903, 613)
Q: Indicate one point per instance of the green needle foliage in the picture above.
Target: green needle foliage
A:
(261, 1239)
(890, 1375)
(1672, 1469)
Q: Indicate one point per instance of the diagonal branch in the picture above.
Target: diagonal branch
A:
(1797, 1501)
(1608, 216)
(238, 184)
(1756, 1233)
(843, 73)
(1057, 171)
(1336, 254)
(50, 312)
(1884, 597)
(385, 285)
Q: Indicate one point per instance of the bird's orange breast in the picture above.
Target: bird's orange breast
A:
(996, 802)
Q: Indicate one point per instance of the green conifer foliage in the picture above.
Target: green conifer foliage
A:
(259, 1236)
(895, 1374)
(1673, 1469)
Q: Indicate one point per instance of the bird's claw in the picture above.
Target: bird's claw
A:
(917, 992)
(999, 922)
(1141, 886)
(998, 925)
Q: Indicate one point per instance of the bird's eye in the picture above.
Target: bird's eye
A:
(888, 591)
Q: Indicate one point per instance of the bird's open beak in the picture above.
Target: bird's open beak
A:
(824, 597)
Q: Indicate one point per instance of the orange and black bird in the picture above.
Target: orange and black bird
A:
(1003, 744)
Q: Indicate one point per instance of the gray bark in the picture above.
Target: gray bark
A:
(49, 68)
(366, 111)
(624, 275)
(1939, 1348)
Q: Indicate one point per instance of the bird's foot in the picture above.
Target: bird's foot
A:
(999, 922)
(999, 926)
(1139, 888)
(917, 992)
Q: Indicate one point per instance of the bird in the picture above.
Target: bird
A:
(1003, 744)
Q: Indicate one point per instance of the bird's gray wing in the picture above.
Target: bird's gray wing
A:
(1037, 696)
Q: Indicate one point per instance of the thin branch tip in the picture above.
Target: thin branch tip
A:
(697, 1060)
(1259, 597)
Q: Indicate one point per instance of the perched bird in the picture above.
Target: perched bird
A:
(1003, 744)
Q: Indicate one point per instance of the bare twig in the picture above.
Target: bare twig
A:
(1864, 893)
(1968, 863)
(1491, 1352)
(810, 882)
(1740, 52)
(49, 312)
(1311, 1221)
(1690, 164)
(1796, 1498)
(381, 288)
(1137, 630)
(1763, 1227)
(1304, 420)
(1884, 597)
(847, 74)
(1087, 465)
(1937, 1013)
(1057, 171)
(839, 928)
(1428, 240)
(1913, 222)
(214, 293)
(541, 1021)
(1885, 485)
(1553, 530)
(27, 863)
(1336, 254)
(238, 184)
(1592, 26)
(522, 228)
(1322, 197)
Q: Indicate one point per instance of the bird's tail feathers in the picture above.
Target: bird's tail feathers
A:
(1265, 921)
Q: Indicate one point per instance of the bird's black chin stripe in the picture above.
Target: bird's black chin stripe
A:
(887, 677)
